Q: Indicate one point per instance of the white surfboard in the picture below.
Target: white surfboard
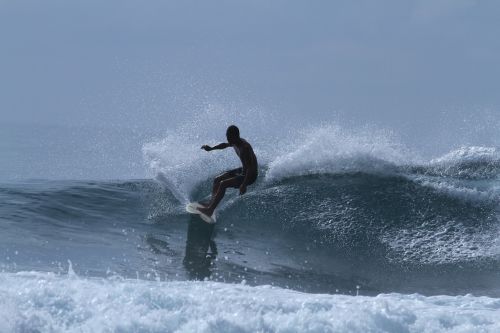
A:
(192, 208)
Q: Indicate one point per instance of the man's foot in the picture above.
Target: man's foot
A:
(207, 211)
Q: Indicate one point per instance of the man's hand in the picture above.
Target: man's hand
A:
(243, 189)
(206, 147)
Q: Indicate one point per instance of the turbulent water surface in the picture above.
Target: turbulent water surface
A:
(329, 219)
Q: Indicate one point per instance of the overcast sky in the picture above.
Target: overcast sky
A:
(148, 63)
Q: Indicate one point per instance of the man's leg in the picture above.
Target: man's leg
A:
(215, 187)
(219, 179)
(231, 182)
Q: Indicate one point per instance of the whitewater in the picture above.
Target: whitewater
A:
(35, 302)
(346, 230)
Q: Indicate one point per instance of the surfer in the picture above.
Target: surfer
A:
(236, 178)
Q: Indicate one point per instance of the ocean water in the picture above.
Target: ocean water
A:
(344, 231)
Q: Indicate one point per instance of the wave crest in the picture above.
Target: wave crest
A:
(331, 149)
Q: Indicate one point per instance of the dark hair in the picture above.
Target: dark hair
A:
(233, 132)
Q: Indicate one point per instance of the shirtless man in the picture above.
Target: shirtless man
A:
(237, 178)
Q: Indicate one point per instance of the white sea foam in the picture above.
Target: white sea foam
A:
(41, 302)
(332, 149)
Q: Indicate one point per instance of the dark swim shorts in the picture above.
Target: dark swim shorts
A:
(238, 173)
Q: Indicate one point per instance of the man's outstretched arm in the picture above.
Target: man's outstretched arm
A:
(223, 145)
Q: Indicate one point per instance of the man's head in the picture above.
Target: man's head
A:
(233, 134)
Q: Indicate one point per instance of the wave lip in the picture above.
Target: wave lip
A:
(46, 302)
